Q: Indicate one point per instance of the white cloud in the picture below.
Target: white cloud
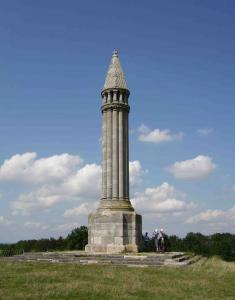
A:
(27, 168)
(83, 209)
(216, 220)
(204, 131)
(136, 172)
(206, 216)
(60, 178)
(160, 199)
(157, 135)
(35, 201)
(231, 213)
(86, 182)
(66, 227)
(36, 225)
(4, 221)
(196, 168)
(58, 228)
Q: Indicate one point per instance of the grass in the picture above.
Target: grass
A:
(215, 279)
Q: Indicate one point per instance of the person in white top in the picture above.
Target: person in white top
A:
(159, 239)
(155, 236)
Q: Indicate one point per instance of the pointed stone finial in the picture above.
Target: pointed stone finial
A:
(115, 53)
(115, 77)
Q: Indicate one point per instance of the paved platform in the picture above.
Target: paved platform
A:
(148, 259)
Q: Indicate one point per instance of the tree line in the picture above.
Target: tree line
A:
(221, 244)
(76, 240)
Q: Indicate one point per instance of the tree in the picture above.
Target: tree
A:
(78, 238)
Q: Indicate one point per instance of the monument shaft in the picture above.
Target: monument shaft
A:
(115, 227)
(115, 183)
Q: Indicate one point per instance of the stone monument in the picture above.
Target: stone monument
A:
(115, 227)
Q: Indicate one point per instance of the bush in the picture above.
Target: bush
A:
(9, 252)
(78, 238)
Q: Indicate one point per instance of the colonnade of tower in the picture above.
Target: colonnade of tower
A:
(115, 134)
(115, 149)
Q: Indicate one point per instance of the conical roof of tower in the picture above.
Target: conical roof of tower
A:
(115, 77)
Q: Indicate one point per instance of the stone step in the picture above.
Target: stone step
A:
(146, 254)
(136, 258)
(184, 261)
(145, 259)
(81, 259)
(182, 258)
(113, 262)
(195, 259)
(90, 261)
(176, 255)
(122, 258)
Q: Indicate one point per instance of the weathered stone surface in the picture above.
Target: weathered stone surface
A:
(114, 232)
(80, 257)
(115, 76)
(115, 227)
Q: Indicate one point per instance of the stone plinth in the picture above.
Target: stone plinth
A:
(114, 232)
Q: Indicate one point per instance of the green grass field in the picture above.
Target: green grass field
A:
(213, 279)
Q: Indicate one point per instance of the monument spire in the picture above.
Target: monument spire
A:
(115, 77)
(115, 137)
(115, 227)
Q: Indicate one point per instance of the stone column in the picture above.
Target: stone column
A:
(114, 96)
(121, 97)
(121, 162)
(109, 154)
(109, 98)
(127, 153)
(115, 165)
(104, 152)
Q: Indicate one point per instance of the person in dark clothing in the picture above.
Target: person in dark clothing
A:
(146, 240)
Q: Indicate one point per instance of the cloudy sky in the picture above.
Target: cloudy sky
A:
(178, 58)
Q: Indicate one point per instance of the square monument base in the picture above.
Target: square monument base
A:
(114, 232)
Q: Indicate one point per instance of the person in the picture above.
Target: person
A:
(159, 237)
(146, 239)
(155, 236)
(161, 240)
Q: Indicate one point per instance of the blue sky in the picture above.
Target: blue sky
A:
(178, 58)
